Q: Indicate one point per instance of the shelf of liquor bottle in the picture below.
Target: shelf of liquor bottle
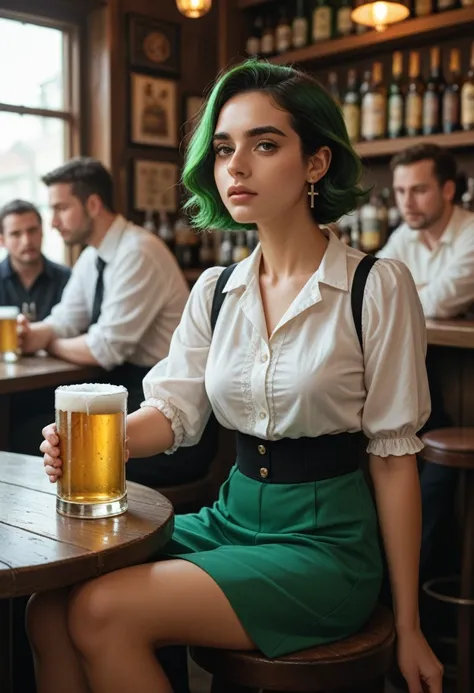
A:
(387, 147)
(433, 26)
(192, 274)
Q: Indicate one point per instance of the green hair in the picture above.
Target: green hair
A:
(317, 120)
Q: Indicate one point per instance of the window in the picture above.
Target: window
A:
(36, 118)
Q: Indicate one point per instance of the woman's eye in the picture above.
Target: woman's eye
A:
(223, 150)
(266, 146)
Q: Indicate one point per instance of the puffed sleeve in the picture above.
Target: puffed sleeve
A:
(394, 335)
(175, 385)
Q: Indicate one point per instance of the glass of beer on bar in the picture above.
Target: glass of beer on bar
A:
(90, 419)
(8, 334)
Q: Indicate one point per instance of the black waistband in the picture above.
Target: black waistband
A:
(296, 460)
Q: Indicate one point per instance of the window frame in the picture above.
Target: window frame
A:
(72, 88)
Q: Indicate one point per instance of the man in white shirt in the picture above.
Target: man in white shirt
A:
(436, 240)
(121, 306)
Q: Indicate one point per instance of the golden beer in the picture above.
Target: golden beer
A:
(8, 333)
(90, 419)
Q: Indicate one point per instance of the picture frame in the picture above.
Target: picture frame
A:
(155, 185)
(154, 120)
(192, 106)
(154, 44)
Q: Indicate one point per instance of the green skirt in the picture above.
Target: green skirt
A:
(299, 563)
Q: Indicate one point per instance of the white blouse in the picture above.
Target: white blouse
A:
(309, 377)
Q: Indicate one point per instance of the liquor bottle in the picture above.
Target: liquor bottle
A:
(396, 101)
(446, 5)
(344, 23)
(365, 84)
(300, 28)
(206, 251)
(433, 96)
(414, 98)
(351, 107)
(344, 226)
(468, 196)
(322, 20)
(355, 230)
(240, 250)
(165, 230)
(186, 243)
(422, 8)
(371, 236)
(452, 94)
(467, 96)
(267, 44)
(283, 33)
(374, 107)
(333, 87)
(149, 223)
(226, 249)
(253, 45)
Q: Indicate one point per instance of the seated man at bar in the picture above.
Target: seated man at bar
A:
(436, 238)
(120, 308)
(28, 280)
(436, 242)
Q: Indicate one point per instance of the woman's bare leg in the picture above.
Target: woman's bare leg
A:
(57, 665)
(117, 620)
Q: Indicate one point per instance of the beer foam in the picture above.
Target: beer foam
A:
(91, 398)
(9, 312)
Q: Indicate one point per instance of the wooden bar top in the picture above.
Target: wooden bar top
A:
(451, 333)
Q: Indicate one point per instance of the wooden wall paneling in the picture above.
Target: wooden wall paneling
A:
(231, 25)
(198, 69)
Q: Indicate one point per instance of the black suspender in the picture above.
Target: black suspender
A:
(357, 292)
(219, 296)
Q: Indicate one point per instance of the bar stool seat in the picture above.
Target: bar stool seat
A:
(357, 664)
(454, 447)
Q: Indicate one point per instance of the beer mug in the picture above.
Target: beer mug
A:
(8, 334)
(90, 419)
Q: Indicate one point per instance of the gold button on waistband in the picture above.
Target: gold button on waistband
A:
(263, 472)
(262, 449)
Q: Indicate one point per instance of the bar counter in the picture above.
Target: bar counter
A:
(451, 343)
(451, 333)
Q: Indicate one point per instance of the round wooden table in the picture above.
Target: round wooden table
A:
(41, 550)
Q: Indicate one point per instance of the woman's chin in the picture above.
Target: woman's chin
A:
(243, 216)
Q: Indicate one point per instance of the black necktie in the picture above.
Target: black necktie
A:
(99, 291)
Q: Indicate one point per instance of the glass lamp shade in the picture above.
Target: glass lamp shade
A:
(194, 8)
(379, 14)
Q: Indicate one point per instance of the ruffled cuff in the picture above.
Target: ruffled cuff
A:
(172, 414)
(383, 447)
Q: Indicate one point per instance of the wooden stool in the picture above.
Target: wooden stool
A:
(454, 447)
(355, 665)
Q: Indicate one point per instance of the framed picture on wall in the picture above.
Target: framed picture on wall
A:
(154, 45)
(192, 104)
(154, 118)
(155, 186)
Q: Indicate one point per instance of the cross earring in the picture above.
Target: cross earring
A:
(312, 192)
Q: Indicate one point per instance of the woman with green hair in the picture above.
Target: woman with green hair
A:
(308, 354)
